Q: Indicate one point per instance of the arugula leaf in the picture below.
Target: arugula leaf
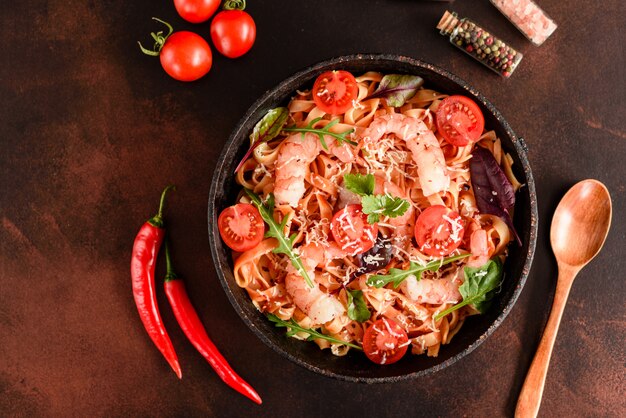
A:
(357, 308)
(397, 276)
(386, 205)
(478, 287)
(360, 184)
(397, 89)
(341, 138)
(294, 328)
(265, 130)
(285, 244)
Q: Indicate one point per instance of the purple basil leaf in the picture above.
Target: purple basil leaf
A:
(493, 190)
(265, 130)
(397, 89)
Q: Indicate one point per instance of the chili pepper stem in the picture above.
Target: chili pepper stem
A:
(157, 220)
(170, 273)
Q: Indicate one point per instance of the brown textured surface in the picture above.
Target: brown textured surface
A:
(92, 130)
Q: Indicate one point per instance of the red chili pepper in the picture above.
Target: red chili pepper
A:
(142, 263)
(194, 330)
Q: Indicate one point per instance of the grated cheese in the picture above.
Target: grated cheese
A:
(457, 227)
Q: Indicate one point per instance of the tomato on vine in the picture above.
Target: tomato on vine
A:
(233, 30)
(196, 11)
(184, 55)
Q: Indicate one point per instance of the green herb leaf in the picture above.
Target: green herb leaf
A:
(397, 89)
(341, 138)
(285, 244)
(270, 126)
(265, 130)
(479, 286)
(374, 205)
(397, 276)
(480, 282)
(357, 308)
(293, 328)
(360, 184)
(386, 205)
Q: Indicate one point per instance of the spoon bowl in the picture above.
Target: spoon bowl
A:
(579, 227)
(580, 223)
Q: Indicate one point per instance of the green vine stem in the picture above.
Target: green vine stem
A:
(159, 39)
(234, 4)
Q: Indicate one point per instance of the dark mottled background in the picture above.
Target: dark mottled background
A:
(92, 130)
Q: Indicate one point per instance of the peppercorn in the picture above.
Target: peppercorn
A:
(480, 44)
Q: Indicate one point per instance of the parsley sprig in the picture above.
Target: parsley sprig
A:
(374, 205)
(294, 328)
(397, 276)
(363, 185)
(341, 138)
(385, 204)
(285, 244)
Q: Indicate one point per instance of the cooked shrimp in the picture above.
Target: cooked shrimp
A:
(294, 156)
(318, 255)
(434, 291)
(425, 149)
(317, 305)
(479, 247)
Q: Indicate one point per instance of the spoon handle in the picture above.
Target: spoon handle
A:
(532, 390)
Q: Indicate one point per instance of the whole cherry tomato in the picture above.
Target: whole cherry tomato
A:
(196, 11)
(232, 30)
(184, 55)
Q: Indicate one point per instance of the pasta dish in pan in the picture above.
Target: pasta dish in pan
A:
(374, 215)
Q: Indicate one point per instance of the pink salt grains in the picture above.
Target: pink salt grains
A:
(528, 18)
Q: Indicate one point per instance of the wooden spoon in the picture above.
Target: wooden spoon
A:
(579, 227)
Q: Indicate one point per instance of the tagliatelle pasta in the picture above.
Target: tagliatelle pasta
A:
(408, 158)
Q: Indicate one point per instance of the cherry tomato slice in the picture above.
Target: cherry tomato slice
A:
(186, 56)
(385, 342)
(459, 120)
(334, 91)
(351, 231)
(241, 226)
(196, 11)
(438, 231)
